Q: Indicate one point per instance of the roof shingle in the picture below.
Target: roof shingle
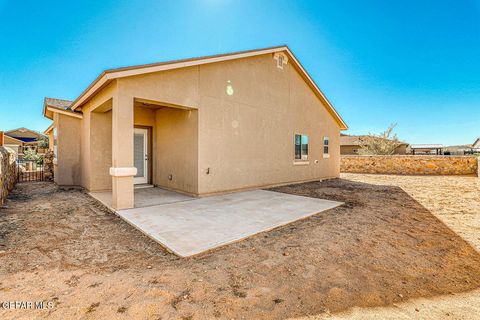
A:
(58, 103)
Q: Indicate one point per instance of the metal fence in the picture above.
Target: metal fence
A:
(29, 170)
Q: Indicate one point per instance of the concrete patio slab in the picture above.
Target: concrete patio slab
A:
(145, 197)
(192, 227)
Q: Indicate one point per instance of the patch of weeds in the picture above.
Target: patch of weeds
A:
(73, 281)
(122, 309)
(182, 296)
(95, 284)
(92, 307)
(238, 293)
(278, 300)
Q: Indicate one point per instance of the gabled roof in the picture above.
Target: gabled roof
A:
(108, 75)
(476, 143)
(58, 103)
(12, 140)
(52, 105)
(50, 128)
(24, 134)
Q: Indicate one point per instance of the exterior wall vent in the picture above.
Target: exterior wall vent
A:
(281, 58)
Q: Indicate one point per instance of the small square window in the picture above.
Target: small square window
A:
(325, 145)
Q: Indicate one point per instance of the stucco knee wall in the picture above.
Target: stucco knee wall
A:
(411, 165)
(7, 172)
(67, 170)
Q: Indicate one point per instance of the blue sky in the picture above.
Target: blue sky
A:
(412, 62)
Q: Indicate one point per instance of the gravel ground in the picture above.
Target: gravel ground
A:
(390, 244)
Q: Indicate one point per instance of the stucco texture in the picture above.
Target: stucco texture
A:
(214, 128)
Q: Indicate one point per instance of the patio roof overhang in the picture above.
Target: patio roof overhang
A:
(48, 112)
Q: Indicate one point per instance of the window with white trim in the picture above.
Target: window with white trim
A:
(326, 145)
(301, 147)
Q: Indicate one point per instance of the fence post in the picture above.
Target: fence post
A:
(2, 138)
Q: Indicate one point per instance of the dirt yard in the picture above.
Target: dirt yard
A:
(396, 241)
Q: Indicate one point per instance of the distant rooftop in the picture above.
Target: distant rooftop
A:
(347, 140)
(426, 146)
(58, 103)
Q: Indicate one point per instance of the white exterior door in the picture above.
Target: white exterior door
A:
(140, 155)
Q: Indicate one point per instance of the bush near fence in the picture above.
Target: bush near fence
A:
(411, 165)
(8, 174)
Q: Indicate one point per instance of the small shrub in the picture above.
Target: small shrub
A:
(30, 154)
(384, 143)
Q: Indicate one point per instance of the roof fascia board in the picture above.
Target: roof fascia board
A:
(126, 72)
(343, 125)
(13, 138)
(108, 75)
(50, 128)
(67, 113)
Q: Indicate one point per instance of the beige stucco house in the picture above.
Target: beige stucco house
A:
(21, 139)
(198, 126)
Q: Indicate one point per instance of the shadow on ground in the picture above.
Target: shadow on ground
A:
(381, 247)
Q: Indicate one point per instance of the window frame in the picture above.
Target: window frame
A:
(326, 147)
(303, 156)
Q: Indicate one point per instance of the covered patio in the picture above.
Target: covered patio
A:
(136, 143)
(144, 197)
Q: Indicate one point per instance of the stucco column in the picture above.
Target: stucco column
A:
(122, 170)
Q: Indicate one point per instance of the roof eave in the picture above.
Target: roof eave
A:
(108, 75)
(52, 110)
(50, 128)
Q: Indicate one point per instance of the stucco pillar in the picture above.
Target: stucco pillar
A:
(122, 170)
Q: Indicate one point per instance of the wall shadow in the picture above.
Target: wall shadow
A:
(380, 248)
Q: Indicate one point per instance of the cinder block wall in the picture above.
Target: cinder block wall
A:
(8, 172)
(411, 165)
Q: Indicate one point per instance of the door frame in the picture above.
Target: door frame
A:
(149, 153)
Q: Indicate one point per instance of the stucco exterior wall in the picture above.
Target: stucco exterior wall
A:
(67, 170)
(216, 128)
(100, 150)
(97, 150)
(245, 139)
(411, 165)
(177, 149)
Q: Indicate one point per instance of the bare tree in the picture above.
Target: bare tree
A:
(384, 143)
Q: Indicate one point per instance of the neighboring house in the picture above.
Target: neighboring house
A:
(463, 149)
(21, 139)
(427, 149)
(476, 145)
(12, 143)
(353, 144)
(199, 126)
